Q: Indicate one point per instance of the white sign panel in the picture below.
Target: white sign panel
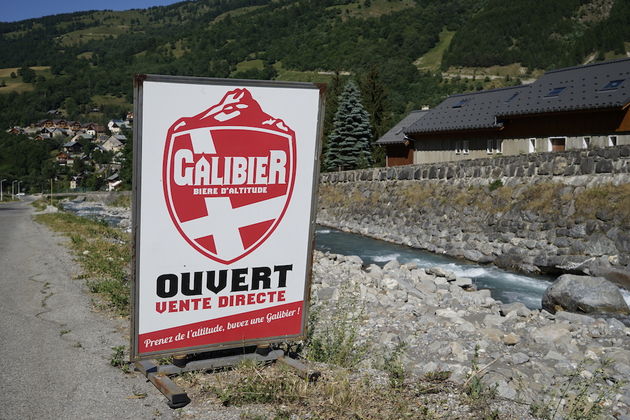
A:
(224, 184)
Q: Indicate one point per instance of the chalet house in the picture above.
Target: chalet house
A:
(116, 126)
(82, 136)
(101, 138)
(59, 132)
(572, 108)
(112, 144)
(113, 182)
(31, 131)
(398, 147)
(43, 136)
(62, 158)
(120, 137)
(93, 129)
(72, 147)
(15, 130)
(61, 124)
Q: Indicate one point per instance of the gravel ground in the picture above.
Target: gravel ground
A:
(55, 348)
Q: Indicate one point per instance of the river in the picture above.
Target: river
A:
(504, 285)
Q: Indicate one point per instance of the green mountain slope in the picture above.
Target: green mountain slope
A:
(541, 34)
(93, 55)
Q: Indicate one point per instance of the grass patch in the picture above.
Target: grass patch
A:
(17, 85)
(94, 33)
(335, 339)
(302, 76)
(583, 396)
(249, 65)
(416, 194)
(42, 204)
(119, 360)
(542, 198)
(101, 100)
(606, 201)
(104, 254)
(122, 200)
(336, 395)
(86, 55)
(375, 9)
(432, 60)
(235, 12)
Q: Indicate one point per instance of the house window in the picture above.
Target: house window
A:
(461, 103)
(612, 140)
(531, 145)
(465, 147)
(613, 84)
(586, 142)
(494, 146)
(555, 92)
(557, 143)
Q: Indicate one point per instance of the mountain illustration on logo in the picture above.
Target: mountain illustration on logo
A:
(228, 176)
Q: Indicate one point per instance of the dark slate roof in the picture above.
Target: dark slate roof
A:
(467, 111)
(594, 86)
(396, 133)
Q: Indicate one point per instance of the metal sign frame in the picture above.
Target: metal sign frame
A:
(137, 206)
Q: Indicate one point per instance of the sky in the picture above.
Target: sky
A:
(14, 10)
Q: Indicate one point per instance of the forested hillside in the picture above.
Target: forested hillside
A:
(542, 34)
(82, 64)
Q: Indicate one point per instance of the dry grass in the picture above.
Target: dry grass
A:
(17, 85)
(610, 199)
(417, 194)
(542, 198)
(338, 394)
(432, 60)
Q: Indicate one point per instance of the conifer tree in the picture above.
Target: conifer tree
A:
(349, 144)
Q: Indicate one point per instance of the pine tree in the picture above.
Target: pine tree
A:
(349, 144)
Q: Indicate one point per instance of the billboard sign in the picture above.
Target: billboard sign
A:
(225, 175)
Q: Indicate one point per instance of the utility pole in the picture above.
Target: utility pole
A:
(18, 188)
(51, 191)
(1, 197)
(12, 190)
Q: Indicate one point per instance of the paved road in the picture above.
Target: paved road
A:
(54, 350)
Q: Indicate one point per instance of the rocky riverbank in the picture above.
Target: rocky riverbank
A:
(533, 358)
(113, 208)
(437, 325)
(571, 224)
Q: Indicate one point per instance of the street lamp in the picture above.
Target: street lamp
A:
(1, 198)
(12, 191)
(18, 188)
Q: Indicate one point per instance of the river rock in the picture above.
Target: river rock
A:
(518, 307)
(511, 339)
(584, 294)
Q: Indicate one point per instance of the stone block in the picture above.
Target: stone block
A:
(604, 166)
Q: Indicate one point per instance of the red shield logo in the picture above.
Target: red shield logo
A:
(228, 176)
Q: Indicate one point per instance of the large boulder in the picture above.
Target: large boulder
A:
(584, 294)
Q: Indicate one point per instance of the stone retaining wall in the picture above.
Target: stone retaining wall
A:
(611, 160)
(565, 212)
